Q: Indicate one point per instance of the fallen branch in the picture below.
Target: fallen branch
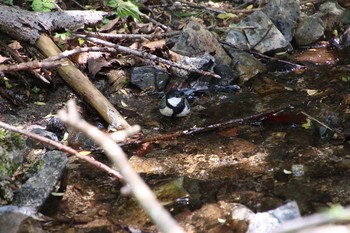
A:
(18, 59)
(153, 21)
(31, 65)
(64, 148)
(145, 55)
(53, 61)
(132, 36)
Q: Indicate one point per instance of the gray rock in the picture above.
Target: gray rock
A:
(245, 64)
(309, 30)
(237, 39)
(149, 78)
(41, 132)
(15, 219)
(264, 36)
(286, 212)
(195, 40)
(284, 14)
(38, 188)
(269, 221)
(263, 223)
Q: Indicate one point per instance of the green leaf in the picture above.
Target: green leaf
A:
(105, 20)
(307, 124)
(36, 90)
(81, 41)
(42, 5)
(125, 9)
(112, 3)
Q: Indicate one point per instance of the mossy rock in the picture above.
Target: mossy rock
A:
(10, 156)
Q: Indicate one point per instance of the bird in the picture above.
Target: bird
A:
(174, 104)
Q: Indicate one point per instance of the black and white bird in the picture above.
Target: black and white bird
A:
(174, 104)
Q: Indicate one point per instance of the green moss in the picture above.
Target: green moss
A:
(17, 140)
(40, 164)
(8, 143)
(3, 134)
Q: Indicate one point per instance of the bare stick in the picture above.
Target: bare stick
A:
(141, 191)
(145, 55)
(19, 59)
(154, 21)
(321, 123)
(31, 65)
(62, 147)
(52, 62)
(132, 36)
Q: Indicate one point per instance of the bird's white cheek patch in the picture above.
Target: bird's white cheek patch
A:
(174, 101)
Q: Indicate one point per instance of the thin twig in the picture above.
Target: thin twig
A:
(31, 66)
(235, 10)
(18, 59)
(263, 37)
(62, 147)
(321, 123)
(147, 56)
(53, 61)
(165, 28)
(265, 56)
(133, 36)
(193, 5)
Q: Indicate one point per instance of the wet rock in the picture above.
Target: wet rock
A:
(196, 40)
(97, 225)
(284, 14)
(316, 57)
(240, 216)
(78, 140)
(245, 64)
(38, 188)
(309, 30)
(228, 76)
(171, 194)
(41, 132)
(210, 218)
(15, 219)
(149, 78)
